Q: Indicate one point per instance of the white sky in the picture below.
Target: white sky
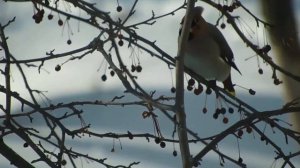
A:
(30, 40)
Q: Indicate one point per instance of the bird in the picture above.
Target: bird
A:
(207, 52)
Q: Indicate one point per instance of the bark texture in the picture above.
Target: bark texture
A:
(285, 42)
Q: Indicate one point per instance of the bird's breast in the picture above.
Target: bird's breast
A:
(202, 55)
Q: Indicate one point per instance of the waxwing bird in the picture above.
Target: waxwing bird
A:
(207, 52)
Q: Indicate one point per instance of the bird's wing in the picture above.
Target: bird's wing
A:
(226, 52)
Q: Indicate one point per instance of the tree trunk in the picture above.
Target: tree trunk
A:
(285, 42)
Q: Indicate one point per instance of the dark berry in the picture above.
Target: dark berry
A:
(228, 21)
(222, 110)
(157, 140)
(42, 12)
(267, 48)
(262, 138)
(173, 89)
(104, 77)
(215, 115)
(223, 26)
(50, 16)
(249, 129)
(231, 8)
(240, 160)
(174, 153)
(204, 110)
(69, 42)
(260, 71)
(119, 8)
(57, 68)
(200, 86)
(139, 68)
(37, 21)
(162, 144)
(189, 88)
(38, 17)
(240, 133)
(208, 91)
(121, 42)
(191, 82)
(230, 110)
(272, 123)
(63, 162)
(225, 120)
(252, 92)
(112, 73)
(218, 111)
(277, 81)
(25, 145)
(133, 68)
(237, 3)
(198, 91)
(60, 22)
(225, 7)
(34, 16)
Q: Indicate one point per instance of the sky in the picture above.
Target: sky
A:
(30, 40)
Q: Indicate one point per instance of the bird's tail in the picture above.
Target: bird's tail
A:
(228, 86)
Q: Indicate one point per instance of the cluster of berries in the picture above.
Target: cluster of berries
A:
(104, 77)
(197, 90)
(38, 17)
(229, 8)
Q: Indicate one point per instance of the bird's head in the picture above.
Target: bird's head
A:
(199, 25)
